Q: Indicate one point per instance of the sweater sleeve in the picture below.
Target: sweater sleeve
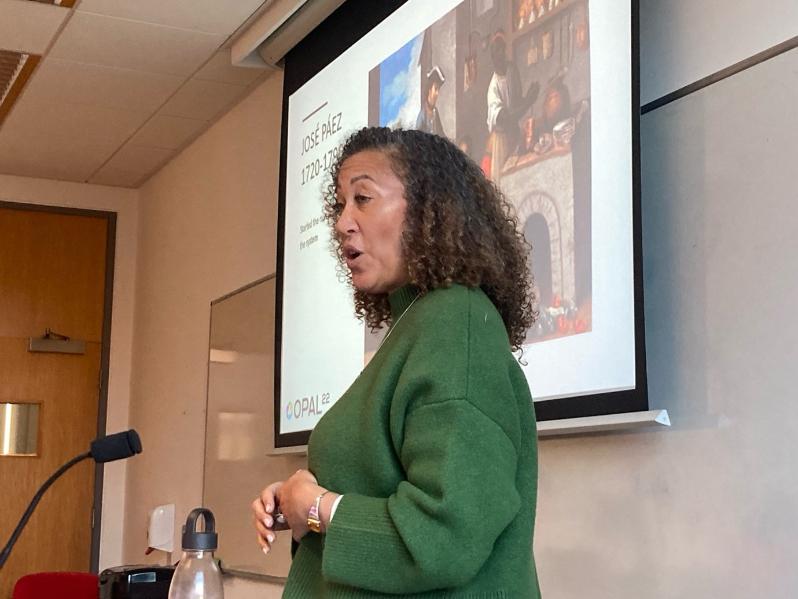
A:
(439, 527)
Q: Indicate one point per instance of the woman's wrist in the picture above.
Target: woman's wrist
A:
(325, 509)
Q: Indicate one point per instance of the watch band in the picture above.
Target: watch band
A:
(314, 517)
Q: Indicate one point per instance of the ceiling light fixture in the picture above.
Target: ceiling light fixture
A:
(278, 29)
(15, 70)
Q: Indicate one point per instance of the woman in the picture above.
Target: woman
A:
(423, 476)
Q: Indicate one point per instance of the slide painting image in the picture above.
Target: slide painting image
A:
(509, 82)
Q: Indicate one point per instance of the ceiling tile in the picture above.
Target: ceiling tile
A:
(29, 26)
(168, 132)
(139, 159)
(126, 44)
(202, 99)
(81, 83)
(212, 16)
(50, 158)
(116, 177)
(219, 68)
(67, 121)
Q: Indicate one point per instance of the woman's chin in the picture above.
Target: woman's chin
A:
(376, 283)
(367, 285)
(361, 283)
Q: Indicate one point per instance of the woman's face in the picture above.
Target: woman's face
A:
(371, 213)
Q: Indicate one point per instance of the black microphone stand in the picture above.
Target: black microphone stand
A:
(34, 502)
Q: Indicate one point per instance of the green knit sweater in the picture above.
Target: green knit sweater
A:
(434, 448)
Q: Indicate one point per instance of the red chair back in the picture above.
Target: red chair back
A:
(63, 585)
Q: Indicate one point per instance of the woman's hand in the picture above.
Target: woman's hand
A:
(295, 497)
(263, 510)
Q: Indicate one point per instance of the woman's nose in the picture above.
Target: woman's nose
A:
(345, 224)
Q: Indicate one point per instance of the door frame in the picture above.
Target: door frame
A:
(105, 350)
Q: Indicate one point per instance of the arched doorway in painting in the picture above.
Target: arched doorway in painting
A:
(536, 232)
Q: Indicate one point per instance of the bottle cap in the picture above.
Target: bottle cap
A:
(194, 540)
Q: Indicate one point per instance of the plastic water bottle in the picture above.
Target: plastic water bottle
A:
(197, 576)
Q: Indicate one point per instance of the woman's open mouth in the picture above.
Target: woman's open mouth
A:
(351, 254)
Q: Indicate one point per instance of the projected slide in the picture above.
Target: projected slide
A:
(537, 92)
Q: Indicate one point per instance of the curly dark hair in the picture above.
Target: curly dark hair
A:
(459, 228)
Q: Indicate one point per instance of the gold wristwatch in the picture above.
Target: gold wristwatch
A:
(314, 515)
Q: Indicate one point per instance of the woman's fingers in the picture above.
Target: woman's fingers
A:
(267, 497)
(263, 508)
(265, 536)
(262, 528)
(265, 504)
(257, 509)
(265, 544)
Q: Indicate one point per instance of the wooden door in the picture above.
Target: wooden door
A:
(52, 275)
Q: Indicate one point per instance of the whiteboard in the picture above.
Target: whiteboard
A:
(239, 425)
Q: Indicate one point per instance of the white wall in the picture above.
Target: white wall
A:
(708, 508)
(208, 226)
(124, 203)
(682, 41)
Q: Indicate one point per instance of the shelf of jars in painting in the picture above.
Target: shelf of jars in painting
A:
(529, 15)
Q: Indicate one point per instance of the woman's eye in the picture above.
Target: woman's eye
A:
(361, 199)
